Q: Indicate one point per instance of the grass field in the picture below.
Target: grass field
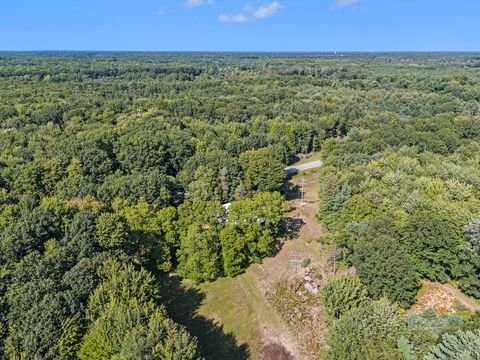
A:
(234, 304)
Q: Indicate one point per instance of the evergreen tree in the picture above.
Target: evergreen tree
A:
(342, 294)
(365, 330)
(462, 345)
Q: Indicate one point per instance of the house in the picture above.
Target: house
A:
(226, 206)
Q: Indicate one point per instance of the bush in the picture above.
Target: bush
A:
(306, 262)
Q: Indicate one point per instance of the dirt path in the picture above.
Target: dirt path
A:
(286, 264)
(302, 245)
(272, 328)
(464, 299)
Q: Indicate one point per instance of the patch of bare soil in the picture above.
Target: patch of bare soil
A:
(275, 351)
(443, 298)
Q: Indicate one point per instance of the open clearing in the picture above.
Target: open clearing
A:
(303, 244)
(232, 317)
(443, 298)
(238, 309)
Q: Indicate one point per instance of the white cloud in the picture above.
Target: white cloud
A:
(238, 18)
(249, 8)
(161, 12)
(253, 13)
(190, 4)
(340, 4)
(267, 10)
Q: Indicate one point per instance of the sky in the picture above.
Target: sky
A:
(240, 25)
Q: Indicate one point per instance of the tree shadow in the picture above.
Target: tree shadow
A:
(277, 246)
(274, 351)
(182, 304)
(291, 191)
(290, 227)
(289, 230)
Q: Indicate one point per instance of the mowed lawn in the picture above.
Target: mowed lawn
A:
(232, 304)
(241, 310)
(226, 315)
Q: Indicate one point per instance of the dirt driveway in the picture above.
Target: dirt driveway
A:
(286, 264)
(302, 244)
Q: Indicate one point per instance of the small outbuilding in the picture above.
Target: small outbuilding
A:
(310, 284)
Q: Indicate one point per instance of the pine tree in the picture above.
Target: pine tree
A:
(462, 345)
(342, 294)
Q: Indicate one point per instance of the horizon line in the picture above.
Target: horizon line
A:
(246, 51)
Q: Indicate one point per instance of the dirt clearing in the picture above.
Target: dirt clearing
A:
(443, 298)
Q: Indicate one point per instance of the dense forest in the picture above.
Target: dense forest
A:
(117, 169)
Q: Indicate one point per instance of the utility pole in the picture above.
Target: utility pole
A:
(303, 191)
(295, 262)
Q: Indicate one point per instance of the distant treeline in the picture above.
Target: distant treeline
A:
(113, 169)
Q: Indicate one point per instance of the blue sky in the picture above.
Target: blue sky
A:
(241, 25)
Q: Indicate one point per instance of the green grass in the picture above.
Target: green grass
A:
(210, 312)
(227, 302)
(313, 157)
(240, 308)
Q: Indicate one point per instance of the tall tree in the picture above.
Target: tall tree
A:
(387, 269)
(263, 171)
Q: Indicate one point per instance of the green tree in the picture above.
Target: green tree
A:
(371, 328)
(356, 209)
(251, 228)
(342, 294)
(27, 234)
(462, 345)
(262, 170)
(434, 242)
(470, 256)
(387, 269)
(204, 185)
(126, 323)
(147, 239)
(233, 251)
(111, 231)
(136, 330)
(199, 256)
(70, 338)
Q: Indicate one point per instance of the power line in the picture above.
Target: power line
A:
(303, 191)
